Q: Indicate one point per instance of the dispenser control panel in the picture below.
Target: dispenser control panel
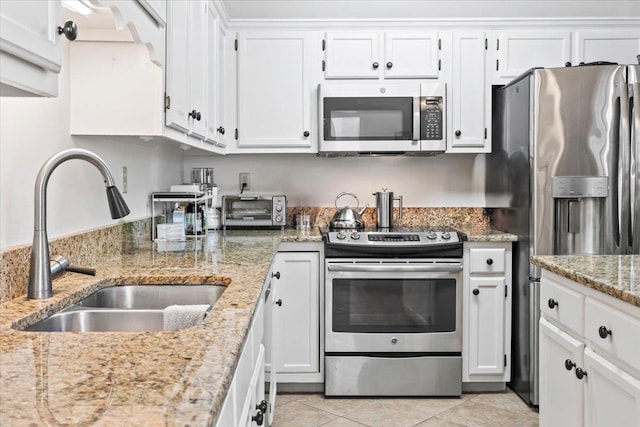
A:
(579, 186)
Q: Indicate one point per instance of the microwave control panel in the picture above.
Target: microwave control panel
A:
(431, 118)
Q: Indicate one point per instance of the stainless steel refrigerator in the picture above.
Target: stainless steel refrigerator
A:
(564, 175)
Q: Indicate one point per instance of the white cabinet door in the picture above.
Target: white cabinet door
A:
(177, 68)
(411, 56)
(613, 396)
(620, 46)
(561, 392)
(271, 351)
(274, 92)
(519, 50)
(221, 95)
(187, 67)
(211, 76)
(486, 312)
(30, 47)
(198, 52)
(297, 312)
(486, 321)
(469, 106)
(352, 56)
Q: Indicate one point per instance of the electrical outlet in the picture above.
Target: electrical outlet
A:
(124, 179)
(244, 181)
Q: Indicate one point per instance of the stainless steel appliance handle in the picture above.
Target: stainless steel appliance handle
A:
(416, 118)
(634, 190)
(624, 142)
(403, 268)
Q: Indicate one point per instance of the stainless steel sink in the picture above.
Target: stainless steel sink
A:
(101, 321)
(153, 297)
(132, 308)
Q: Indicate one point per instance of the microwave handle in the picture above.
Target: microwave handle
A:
(416, 118)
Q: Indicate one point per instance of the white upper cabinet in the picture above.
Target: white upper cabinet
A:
(178, 70)
(402, 55)
(468, 90)
(217, 93)
(621, 46)
(516, 51)
(30, 47)
(191, 73)
(411, 56)
(275, 88)
(352, 56)
(198, 48)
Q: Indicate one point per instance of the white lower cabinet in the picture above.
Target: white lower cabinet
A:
(245, 404)
(590, 377)
(561, 393)
(296, 318)
(486, 313)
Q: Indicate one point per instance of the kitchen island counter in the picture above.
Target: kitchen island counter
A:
(614, 275)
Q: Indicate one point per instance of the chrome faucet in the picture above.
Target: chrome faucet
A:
(40, 270)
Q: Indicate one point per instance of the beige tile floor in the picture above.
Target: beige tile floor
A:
(489, 409)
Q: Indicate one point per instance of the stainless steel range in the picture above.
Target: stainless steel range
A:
(393, 313)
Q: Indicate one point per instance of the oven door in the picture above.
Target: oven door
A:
(393, 306)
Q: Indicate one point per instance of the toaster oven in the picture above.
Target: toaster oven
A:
(254, 211)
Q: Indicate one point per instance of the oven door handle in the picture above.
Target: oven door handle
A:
(436, 268)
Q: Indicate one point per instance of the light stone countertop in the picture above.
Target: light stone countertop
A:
(614, 275)
(151, 378)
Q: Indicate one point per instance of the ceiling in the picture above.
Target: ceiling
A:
(401, 9)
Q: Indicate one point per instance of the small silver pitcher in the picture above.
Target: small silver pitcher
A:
(384, 208)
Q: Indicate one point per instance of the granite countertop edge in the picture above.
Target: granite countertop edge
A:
(615, 275)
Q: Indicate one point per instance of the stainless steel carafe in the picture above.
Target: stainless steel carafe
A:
(384, 208)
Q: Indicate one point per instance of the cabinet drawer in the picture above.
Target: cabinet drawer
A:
(562, 305)
(621, 332)
(485, 260)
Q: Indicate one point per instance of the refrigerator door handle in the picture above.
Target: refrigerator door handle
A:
(624, 142)
(634, 159)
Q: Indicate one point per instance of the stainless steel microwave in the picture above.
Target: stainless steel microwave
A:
(382, 118)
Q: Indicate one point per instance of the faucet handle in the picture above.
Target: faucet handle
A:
(60, 264)
(82, 270)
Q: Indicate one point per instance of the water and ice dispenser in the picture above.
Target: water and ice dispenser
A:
(579, 203)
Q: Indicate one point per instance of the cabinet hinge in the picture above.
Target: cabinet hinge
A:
(505, 360)
(439, 64)
(167, 102)
(439, 44)
(497, 44)
(235, 44)
(236, 133)
(486, 44)
(485, 133)
(505, 291)
(323, 45)
(497, 64)
(323, 65)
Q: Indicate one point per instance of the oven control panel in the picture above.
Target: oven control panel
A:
(353, 237)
